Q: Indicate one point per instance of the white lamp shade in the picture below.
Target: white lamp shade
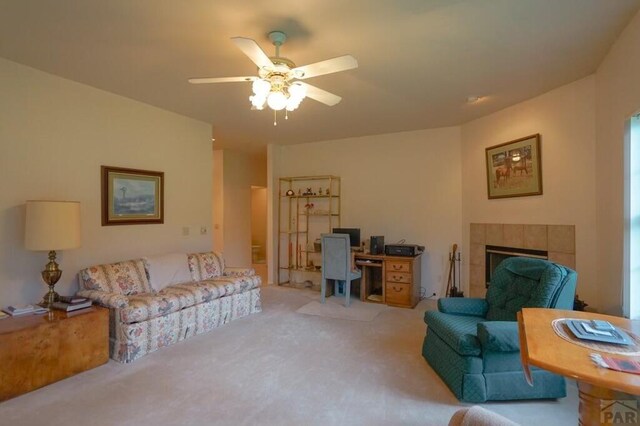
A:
(52, 225)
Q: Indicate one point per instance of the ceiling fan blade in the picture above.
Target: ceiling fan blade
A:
(220, 80)
(320, 95)
(250, 48)
(341, 63)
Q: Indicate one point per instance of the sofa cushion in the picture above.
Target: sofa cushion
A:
(143, 307)
(128, 278)
(191, 294)
(205, 266)
(167, 269)
(457, 331)
(146, 306)
(233, 285)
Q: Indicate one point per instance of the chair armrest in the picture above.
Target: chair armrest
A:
(230, 271)
(499, 336)
(463, 306)
(106, 299)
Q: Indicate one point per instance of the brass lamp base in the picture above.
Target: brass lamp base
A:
(51, 275)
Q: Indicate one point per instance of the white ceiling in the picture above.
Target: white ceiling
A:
(419, 59)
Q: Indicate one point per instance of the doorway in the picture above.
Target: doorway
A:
(259, 231)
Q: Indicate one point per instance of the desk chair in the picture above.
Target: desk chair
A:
(336, 264)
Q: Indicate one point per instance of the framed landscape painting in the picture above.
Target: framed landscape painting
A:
(131, 196)
(514, 168)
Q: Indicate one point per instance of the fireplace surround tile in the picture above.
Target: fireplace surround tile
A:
(476, 276)
(513, 235)
(495, 234)
(477, 291)
(535, 237)
(566, 259)
(477, 254)
(557, 240)
(562, 238)
(478, 233)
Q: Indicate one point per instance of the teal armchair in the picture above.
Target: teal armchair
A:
(473, 344)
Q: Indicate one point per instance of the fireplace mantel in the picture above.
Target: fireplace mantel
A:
(558, 240)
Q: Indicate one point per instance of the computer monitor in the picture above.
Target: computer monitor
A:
(354, 235)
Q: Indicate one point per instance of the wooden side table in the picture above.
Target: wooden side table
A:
(36, 350)
(542, 347)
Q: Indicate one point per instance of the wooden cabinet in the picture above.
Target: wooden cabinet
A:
(401, 279)
(37, 350)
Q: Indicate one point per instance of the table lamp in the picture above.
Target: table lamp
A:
(51, 226)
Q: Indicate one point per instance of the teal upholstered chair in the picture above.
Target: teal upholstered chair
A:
(473, 344)
(336, 264)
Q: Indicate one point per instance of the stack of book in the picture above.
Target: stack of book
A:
(18, 310)
(71, 303)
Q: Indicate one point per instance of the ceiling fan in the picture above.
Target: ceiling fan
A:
(276, 84)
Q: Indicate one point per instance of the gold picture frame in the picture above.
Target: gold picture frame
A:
(131, 196)
(514, 168)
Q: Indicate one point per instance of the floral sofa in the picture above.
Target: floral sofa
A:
(157, 301)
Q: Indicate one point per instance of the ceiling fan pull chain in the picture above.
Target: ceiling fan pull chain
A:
(286, 114)
(275, 117)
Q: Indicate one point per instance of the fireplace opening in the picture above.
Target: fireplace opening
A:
(496, 254)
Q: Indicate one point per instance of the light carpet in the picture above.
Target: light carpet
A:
(274, 368)
(334, 308)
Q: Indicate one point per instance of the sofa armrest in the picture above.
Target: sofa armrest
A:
(230, 271)
(106, 299)
(499, 336)
(463, 306)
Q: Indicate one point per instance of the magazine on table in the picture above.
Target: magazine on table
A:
(619, 364)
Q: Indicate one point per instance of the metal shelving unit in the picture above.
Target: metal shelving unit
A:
(301, 221)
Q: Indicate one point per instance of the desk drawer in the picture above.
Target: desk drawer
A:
(398, 277)
(398, 294)
(398, 266)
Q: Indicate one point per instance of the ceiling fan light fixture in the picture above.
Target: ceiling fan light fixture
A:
(277, 101)
(298, 91)
(274, 86)
(261, 87)
(258, 101)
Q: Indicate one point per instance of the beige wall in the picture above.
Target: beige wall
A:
(618, 93)
(55, 134)
(402, 185)
(565, 119)
(218, 200)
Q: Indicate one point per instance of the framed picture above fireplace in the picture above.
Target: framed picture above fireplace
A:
(514, 168)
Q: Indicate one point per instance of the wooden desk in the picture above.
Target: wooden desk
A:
(401, 278)
(542, 347)
(36, 350)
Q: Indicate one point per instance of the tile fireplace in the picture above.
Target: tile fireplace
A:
(490, 243)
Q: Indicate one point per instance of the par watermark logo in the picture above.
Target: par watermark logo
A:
(619, 412)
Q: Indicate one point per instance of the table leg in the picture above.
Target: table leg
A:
(524, 351)
(602, 406)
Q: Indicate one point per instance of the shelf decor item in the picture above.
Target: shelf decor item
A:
(131, 196)
(514, 168)
(51, 226)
